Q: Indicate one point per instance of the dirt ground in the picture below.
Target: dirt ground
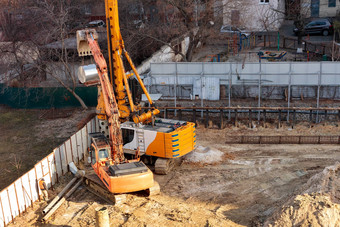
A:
(250, 55)
(27, 136)
(246, 186)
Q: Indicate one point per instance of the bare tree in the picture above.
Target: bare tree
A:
(58, 15)
(36, 24)
(270, 16)
(164, 21)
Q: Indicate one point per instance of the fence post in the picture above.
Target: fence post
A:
(259, 96)
(235, 117)
(323, 49)
(2, 209)
(206, 118)
(264, 118)
(175, 85)
(294, 118)
(229, 89)
(202, 90)
(49, 170)
(36, 181)
(289, 88)
(221, 119)
(194, 114)
(72, 154)
(318, 94)
(16, 196)
(29, 184)
(264, 40)
(166, 112)
(23, 193)
(9, 203)
(250, 118)
(284, 42)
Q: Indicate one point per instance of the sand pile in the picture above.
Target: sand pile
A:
(204, 155)
(317, 205)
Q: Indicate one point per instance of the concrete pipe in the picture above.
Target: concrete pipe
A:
(55, 200)
(102, 217)
(46, 217)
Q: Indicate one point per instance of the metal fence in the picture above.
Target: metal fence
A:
(274, 80)
(235, 44)
(21, 194)
(45, 97)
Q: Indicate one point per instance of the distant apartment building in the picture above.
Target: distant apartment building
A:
(320, 8)
(255, 15)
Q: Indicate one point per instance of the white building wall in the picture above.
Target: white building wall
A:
(324, 9)
(255, 15)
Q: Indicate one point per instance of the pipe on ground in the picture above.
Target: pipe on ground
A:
(102, 217)
(55, 200)
(46, 217)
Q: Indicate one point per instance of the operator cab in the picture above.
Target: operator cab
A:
(100, 144)
(103, 154)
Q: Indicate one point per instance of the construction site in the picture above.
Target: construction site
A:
(218, 184)
(243, 131)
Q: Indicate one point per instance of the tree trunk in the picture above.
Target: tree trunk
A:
(192, 44)
(80, 100)
(82, 103)
(299, 35)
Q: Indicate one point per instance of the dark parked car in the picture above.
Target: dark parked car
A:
(320, 26)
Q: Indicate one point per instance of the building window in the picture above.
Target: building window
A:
(264, 1)
(331, 3)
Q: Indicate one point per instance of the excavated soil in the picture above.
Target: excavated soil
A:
(246, 186)
(317, 205)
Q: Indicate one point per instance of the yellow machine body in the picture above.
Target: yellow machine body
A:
(166, 139)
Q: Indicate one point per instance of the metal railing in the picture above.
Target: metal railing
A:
(296, 139)
(250, 115)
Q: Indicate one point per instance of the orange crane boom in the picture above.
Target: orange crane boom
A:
(111, 108)
(116, 173)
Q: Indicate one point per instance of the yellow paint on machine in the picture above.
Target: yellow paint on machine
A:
(174, 144)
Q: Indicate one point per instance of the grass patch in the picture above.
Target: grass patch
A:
(22, 143)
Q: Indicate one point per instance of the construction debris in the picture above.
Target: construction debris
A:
(204, 155)
(60, 195)
(61, 201)
(60, 198)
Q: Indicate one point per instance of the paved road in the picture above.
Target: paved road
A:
(288, 27)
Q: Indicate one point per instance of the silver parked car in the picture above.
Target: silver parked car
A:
(234, 30)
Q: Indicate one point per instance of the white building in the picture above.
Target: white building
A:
(255, 15)
(320, 8)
